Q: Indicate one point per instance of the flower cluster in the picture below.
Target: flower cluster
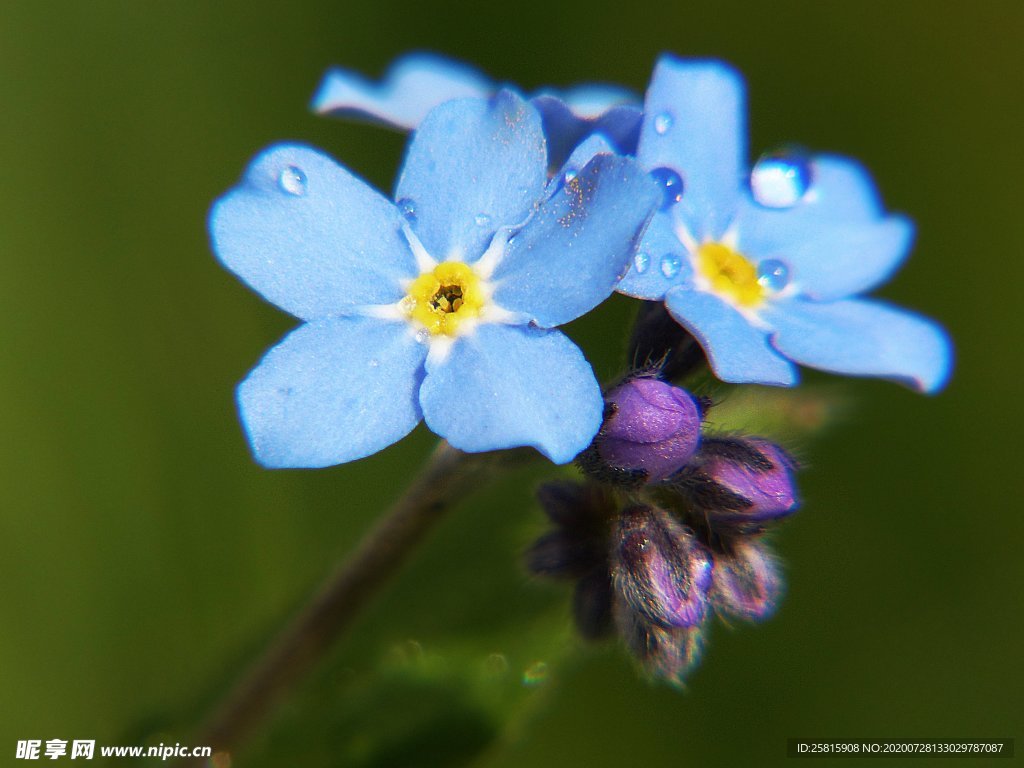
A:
(669, 526)
(516, 214)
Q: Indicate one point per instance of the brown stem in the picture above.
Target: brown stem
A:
(304, 641)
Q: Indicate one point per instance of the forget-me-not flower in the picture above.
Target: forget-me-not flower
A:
(769, 273)
(441, 306)
(418, 82)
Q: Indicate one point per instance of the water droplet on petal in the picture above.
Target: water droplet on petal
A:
(422, 335)
(773, 274)
(670, 265)
(641, 262)
(375, 363)
(482, 219)
(671, 185)
(662, 123)
(569, 174)
(293, 181)
(408, 208)
(780, 179)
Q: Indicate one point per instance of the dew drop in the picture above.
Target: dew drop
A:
(662, 123)
(422, 335)
(482, 219)
(293, 181)
(641, 262)
(569, 174)
(772, 274)
(781, 178)
(408, 208)
(671, 185)
(670, 265)
(375, 363)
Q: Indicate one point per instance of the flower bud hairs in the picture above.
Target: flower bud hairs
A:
(515, 214)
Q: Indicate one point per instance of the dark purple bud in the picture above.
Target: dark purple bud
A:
(575, 506)
(747, 582)
(667, 653)
(741, 482)
(562, 554)
(592, 604)
(659, 569)
(651, 427)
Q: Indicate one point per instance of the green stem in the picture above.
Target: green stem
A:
(446, 477)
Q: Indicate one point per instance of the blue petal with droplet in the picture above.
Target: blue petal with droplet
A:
(473, 157)
(841, 192)
(579, 244)
(737, 351)
(659, 240)
(780, 179)
(412, 87)
(696, 125)
(333, 391)
(506, 386)
(335, 246)
(859, 337)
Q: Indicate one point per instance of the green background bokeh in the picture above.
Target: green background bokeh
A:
(146, 557)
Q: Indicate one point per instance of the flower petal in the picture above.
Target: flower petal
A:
(569, 257)
(311, 237)
(507, 386)
(565, 126)
(849, 259)
(660, 263)
(859, 337)
(592, 100)
(695, 124)
(413, 86)
(473, 166)
(737, 351)
(333, 391)
(836, 240)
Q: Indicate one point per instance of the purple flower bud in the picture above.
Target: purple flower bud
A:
(667, 653)
(744, 483)
(659, 569)
(747, 582)
(653, 428)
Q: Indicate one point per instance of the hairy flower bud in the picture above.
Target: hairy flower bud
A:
(659, 569)
(651, 429)
(742, 483)
(667, 653)
(747, 583)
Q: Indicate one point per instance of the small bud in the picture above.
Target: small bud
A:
(651, 429)
(579, 542)
(658, 341)
(659, 569)
(747, 583)
(668, 654)
(563, 554)
(743, 483)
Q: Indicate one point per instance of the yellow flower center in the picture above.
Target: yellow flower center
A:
(730, 274)
(444, 297)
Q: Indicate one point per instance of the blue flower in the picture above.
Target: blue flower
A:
(768, 274)
(418, 82)
(440, 307)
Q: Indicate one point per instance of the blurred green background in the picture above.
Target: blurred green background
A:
(146, 557)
